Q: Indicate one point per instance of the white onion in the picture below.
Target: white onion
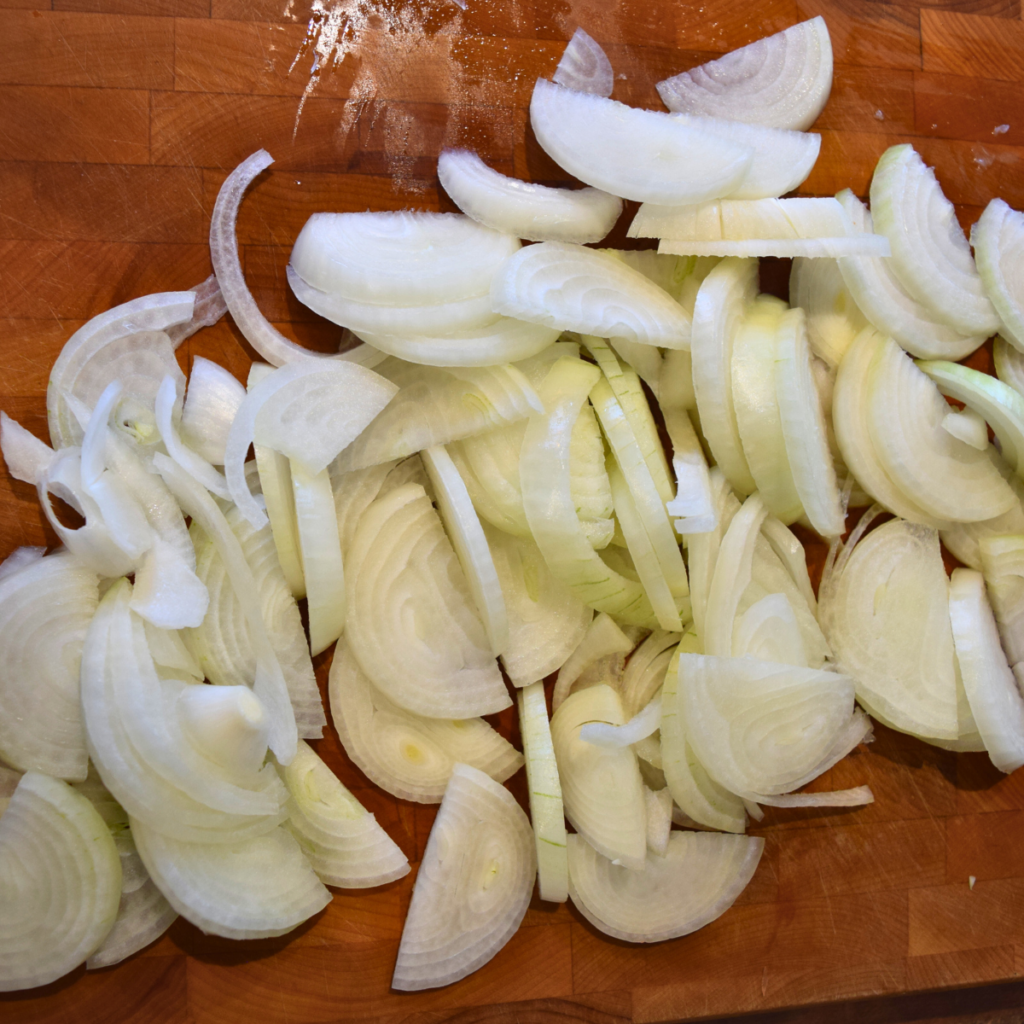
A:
(885, 302)
(637, 154)
(546, 810)
(645, 671)
(467, 536)
(341, 839)
(192, 462)
(697, 880)
(930, 255)
(126, 343)
(644, 723)
(546, 621)
(782, 80)
(408, 755)
(268, 341)
(968, 426)
(858, 797)
(1009, 364)
(603, 637)
(400, 259)
(208, 309)
(996, 238)
(211, 404)
(45, 609)
(250, 889)
(26, 456)
(762, 727)
(585, 67)
(1002, 561)
(601, 788)
(473, 887)
(573, 288)
(411, 621)
(717, 315)
(962, 539)
(993, 693)
(833, 317)
(692, 500)
(62, 882)
(885, 611)
(522, 209)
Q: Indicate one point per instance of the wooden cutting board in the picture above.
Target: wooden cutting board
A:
(118, 122)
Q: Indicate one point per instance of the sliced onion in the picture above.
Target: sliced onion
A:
(222, 643)
(659, 820)
(437, 406)
(546, 811)
(762, 727)
(211, 405)
(320, 547)
(268, 341)
(209, 308)
(603, 637)
(601, 788)
(341, 839)
(782, 80)
(546, 620)
(645, 671)
(549, 505)
(768, 631)
(858, 797)
(143, 915)
(45, 610)
(407, 755)
(464, 314)
(996, 403)
(637, 154)
(692, 500)
(19, 558)
(756, 405)
(803, 426)
(996, 238)
(522, 209)
(885, 611)
(585, 67)
(473, 887)
(127, 344)
(411, 620)
(949, 479)
(190, 461)
(930, 255)
(504, 341)
(287, 392)
(251, 889)
(967, 426)
(62, 882)
(833, 317)
(573, 288)
(717, 315)
(698, 879)
(1009, 364)
(1002, 559)
(269, 682)
(26, 456)
(890, 307)
(851, 420)
(470, 543)
(962, 539)
(703, 547)
(402, 259)
(644, 723)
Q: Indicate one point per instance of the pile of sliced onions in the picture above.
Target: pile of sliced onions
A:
(464, 494)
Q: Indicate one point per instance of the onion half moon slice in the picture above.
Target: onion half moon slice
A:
(252, 889)
(636, 154)
(997, 238)
(473, 887)
(782, 81)
(698, 879)
(522, 209)
(585, 66)
(930, 255)
(408, 755)
(62, 882)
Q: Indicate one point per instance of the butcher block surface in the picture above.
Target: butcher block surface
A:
(119, 120)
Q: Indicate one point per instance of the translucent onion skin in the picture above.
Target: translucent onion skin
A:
(62, 882)
(473, 887)
(781, 81)
(585, 66)
(522, 209)
(698, 879)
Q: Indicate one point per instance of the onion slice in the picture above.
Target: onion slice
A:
(997, 238)
(546, 811)
(698, 879)
(930, 255)
(834, 318)
(584, 66)
(522, 209)
(211, 405)
(62, 882)
(473, 887)
(637, 154)
(603, 637)
(782, 80)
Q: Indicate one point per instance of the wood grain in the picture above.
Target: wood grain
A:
(119, 120)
